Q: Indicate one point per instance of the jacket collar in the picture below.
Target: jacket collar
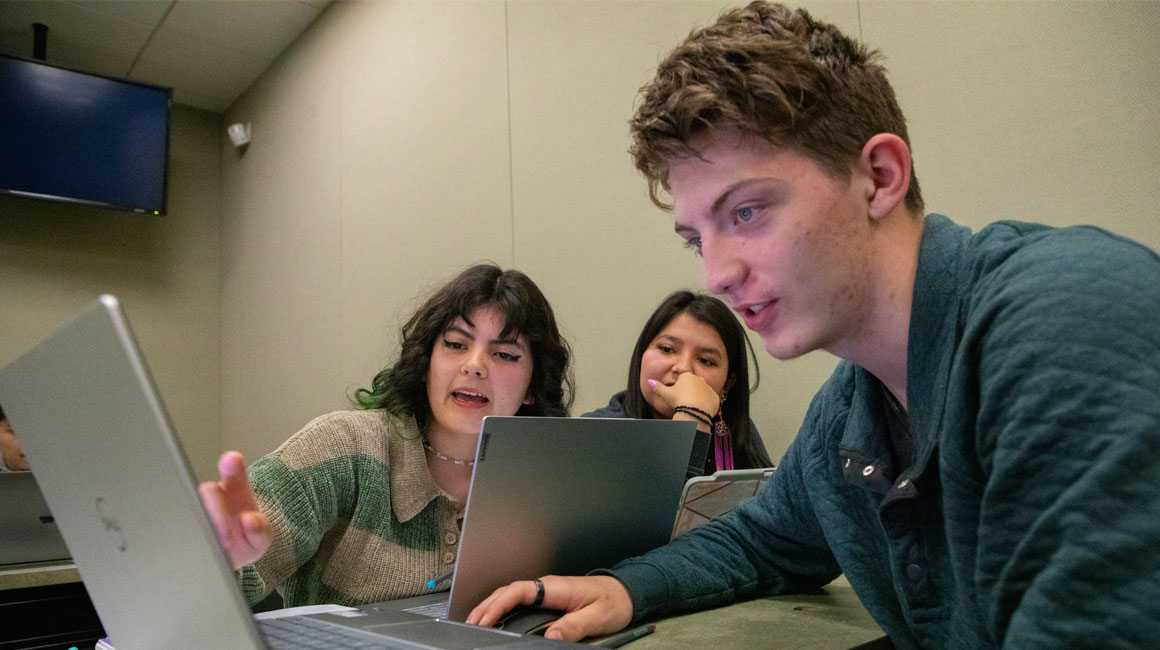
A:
(935, 328)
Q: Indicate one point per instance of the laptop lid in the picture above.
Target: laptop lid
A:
(707, 497)
(30, 532)
(103, 451)
(565, 496)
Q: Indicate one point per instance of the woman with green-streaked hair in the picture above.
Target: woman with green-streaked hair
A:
(365, 505)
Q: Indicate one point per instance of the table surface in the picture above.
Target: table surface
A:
(830, 619)
(38, 575)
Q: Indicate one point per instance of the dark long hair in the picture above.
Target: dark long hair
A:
(735, 410)
(400, 388)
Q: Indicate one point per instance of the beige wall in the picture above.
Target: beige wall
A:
(399, 142)
(55, 258)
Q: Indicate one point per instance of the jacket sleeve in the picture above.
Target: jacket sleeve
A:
(1068, 440)
(771, 545)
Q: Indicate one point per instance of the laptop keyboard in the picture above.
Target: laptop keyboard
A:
(299, 633)
(435, 610)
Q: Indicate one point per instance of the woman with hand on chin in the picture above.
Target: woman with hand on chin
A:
(365, 505)
(690, 364)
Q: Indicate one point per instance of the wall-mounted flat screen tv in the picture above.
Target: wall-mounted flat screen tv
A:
(82, 138)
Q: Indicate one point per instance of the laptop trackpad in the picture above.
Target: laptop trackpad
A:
(445, 634)
(528, 620)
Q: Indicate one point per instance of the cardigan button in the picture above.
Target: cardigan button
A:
(867, 470)
(450, 538)
(448, 557)
(914, 572)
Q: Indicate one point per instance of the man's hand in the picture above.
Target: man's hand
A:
(594, 605)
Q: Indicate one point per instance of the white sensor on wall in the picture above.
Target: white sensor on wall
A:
(239, 134)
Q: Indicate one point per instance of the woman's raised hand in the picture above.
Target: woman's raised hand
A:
(242, 530)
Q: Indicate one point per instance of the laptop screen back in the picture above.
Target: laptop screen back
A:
(565, 496)
(30, 532)
(100, 443)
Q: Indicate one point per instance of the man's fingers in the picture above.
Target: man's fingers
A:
(501, 601)
(570, 627)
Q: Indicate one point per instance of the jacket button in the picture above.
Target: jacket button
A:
(867, 470)
(914, 572)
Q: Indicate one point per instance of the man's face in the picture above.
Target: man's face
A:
(786, 243)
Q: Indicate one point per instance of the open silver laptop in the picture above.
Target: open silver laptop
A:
(109, 466)
(30, 535)
(111, 469)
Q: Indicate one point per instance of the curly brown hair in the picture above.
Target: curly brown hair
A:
(775, 73)
(400, 388)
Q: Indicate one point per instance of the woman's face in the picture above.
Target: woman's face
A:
(474, 373)
(10, 448)
(685, 344)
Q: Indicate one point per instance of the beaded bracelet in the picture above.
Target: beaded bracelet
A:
(697, 414)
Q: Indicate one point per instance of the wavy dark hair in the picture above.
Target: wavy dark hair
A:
(775, 73)
(400, 388)
(735, 411)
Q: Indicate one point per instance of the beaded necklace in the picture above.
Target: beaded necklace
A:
(441, 456)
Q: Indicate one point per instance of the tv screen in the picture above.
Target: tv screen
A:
(82, 138)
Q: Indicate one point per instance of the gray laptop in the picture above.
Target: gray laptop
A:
(111, 469)
(536, 507)
(30, 535)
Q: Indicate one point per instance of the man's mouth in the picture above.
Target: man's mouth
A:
(753, 309)
(758, 315)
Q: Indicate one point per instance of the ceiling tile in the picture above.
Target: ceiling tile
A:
(77, 37)
(212, 104)
(142, 12)
(208, 51)
(261, 29)
(176, 60)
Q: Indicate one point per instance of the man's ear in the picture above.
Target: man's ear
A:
(886, 162)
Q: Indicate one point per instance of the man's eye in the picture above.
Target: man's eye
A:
(745, 214)
(694, 243)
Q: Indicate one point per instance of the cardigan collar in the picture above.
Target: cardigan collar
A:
(412, 487)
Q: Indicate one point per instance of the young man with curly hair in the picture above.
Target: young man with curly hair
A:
(982, 465)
